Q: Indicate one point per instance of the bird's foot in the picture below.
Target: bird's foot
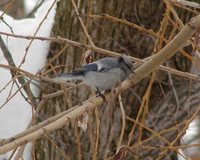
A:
(101, 95)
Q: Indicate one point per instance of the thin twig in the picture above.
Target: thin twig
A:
(39, 26)
(182, 131)
(82, 24)
(174, 91)
(14, 73)
(187, 3)
(100, 50)
(123, 122)
(170, 6)
(95, 150)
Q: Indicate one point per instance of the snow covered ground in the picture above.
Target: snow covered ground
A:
(16, 114)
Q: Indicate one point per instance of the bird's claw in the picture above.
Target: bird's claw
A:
(101, 95)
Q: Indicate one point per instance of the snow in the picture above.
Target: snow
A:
(16, 114)
(190, 138)
(30, 4)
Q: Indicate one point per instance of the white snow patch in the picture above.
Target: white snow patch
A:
(16, 114)
(29, 5)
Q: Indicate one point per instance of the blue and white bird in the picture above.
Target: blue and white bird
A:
(103, 74)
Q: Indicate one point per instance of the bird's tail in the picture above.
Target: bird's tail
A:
(69, 76)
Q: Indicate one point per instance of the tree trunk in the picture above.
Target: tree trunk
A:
(13, 8)
(71, 142)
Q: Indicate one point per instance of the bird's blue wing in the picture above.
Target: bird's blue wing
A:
(85, 68)
(94, 67)
(102, 65)
(90, 67)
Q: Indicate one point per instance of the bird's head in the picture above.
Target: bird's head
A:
(126, 64)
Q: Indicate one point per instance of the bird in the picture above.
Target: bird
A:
(103, 74)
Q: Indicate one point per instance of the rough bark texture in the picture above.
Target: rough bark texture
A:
(124, 39)
(13, 8)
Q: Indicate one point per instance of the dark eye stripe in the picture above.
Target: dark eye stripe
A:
(127, 65)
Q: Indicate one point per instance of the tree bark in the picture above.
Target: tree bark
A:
(72, 142)
(13, 8)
